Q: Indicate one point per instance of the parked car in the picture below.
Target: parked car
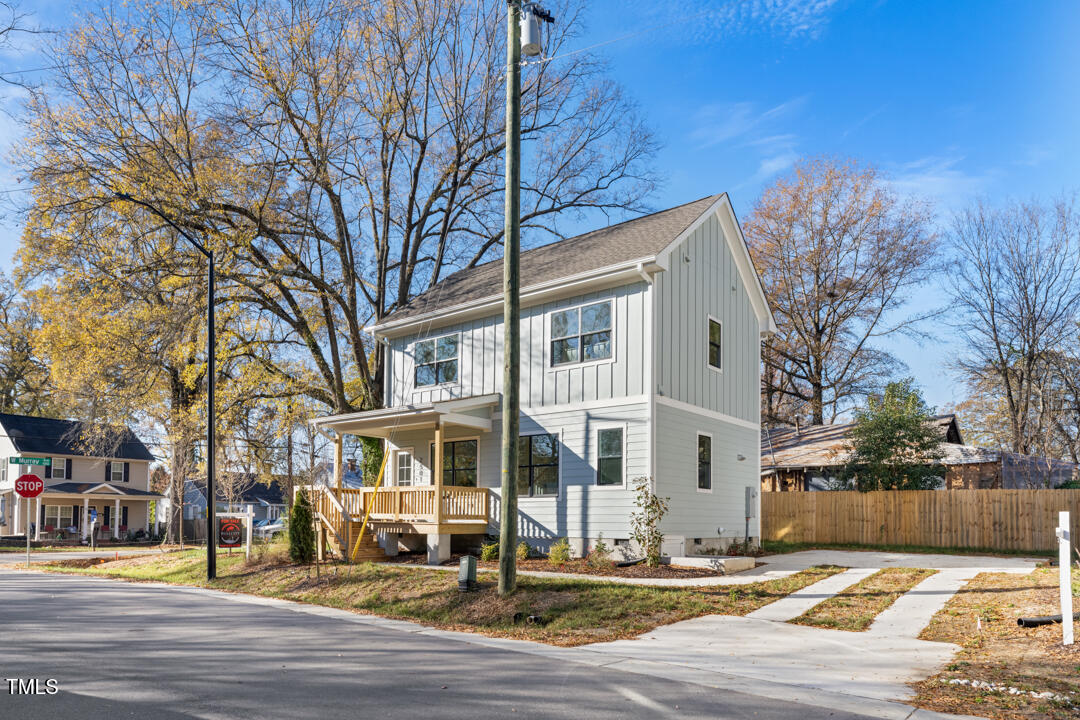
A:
(270, 529)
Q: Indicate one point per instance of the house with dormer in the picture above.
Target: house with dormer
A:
(640, 358)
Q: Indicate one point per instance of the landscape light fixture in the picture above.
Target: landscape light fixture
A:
(211, 548)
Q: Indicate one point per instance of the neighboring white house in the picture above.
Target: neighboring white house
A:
(640, 357)
(116, 487)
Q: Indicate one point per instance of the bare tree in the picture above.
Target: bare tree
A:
(840, 255)
(340, 157)
(1016, 287)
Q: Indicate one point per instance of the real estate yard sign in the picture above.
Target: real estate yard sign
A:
(230, 533)
(29, 486)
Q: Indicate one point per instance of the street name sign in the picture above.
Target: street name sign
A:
(43, 462)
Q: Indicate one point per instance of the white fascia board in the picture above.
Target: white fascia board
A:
(601, 278)
(725, 214)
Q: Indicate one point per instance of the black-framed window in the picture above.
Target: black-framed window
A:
(609, 463)
(538, 465)
(458, 462)
(581, 334)
(436, 360)
(716, 339)
(704, 462)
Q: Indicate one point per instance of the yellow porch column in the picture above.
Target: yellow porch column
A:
(438, 463)
(338, 470)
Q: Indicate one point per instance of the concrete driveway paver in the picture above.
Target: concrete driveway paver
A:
(798, 602)
(851, 663)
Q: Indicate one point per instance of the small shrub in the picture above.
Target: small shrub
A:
(301, 532)
(489, 552)
(600, 556)
(559, 554)
(645, 522)
(522, 551)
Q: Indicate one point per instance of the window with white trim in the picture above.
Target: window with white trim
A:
(538, 466)
(436, 360)
(609, 462)
(59, 469)
(116, 472)
(704, 462)
(58, 516)
(581, 334)
(715, 340)
(404, 468)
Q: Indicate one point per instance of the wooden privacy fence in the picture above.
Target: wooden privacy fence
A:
(992, 519)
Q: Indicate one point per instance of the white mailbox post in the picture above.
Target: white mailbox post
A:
(1065, 574)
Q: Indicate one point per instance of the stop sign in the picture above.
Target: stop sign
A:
(29, 485)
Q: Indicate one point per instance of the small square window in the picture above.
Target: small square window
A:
(436, 361)
(581, 334)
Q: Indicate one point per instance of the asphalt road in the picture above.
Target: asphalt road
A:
(119, 650)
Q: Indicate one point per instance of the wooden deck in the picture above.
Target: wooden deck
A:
(464, 510)
(406, 510)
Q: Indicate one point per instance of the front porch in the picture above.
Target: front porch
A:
(419, 493)
(63, 511)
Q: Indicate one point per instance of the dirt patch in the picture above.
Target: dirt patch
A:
(574, 567)
(1004, 671)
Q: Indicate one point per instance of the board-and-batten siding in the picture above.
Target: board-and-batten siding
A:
(687, 293)
(582, 509)
(480, 356)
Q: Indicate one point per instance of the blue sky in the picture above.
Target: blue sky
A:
(953, 100)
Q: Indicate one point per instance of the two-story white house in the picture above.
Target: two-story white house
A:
(640, 357)
(115, 488)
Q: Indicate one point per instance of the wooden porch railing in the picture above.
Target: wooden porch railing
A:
(329, 510)
(417, 504)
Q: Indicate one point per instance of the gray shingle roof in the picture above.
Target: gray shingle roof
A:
(49, 436)
(642, 237)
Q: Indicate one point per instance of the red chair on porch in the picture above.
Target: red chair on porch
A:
(103, 532)
(49, 528)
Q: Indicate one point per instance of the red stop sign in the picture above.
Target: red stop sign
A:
(29, 485)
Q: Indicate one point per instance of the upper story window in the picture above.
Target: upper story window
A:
(59, 469)
(581, 334)
(116, 472)
(436, 360)
(716, 336)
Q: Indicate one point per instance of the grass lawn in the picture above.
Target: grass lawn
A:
(1014, 662)
(856, 606)
(577, 611)
(780, 547)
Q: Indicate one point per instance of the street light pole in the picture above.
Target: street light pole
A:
(211, 508)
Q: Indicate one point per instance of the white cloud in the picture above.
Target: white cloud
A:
(693, 21)
(943, 179)
(741, 125)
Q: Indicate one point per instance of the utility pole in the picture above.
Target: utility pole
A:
(515, 22)
(211, 505)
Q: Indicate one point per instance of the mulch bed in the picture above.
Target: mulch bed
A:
(576, 567)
